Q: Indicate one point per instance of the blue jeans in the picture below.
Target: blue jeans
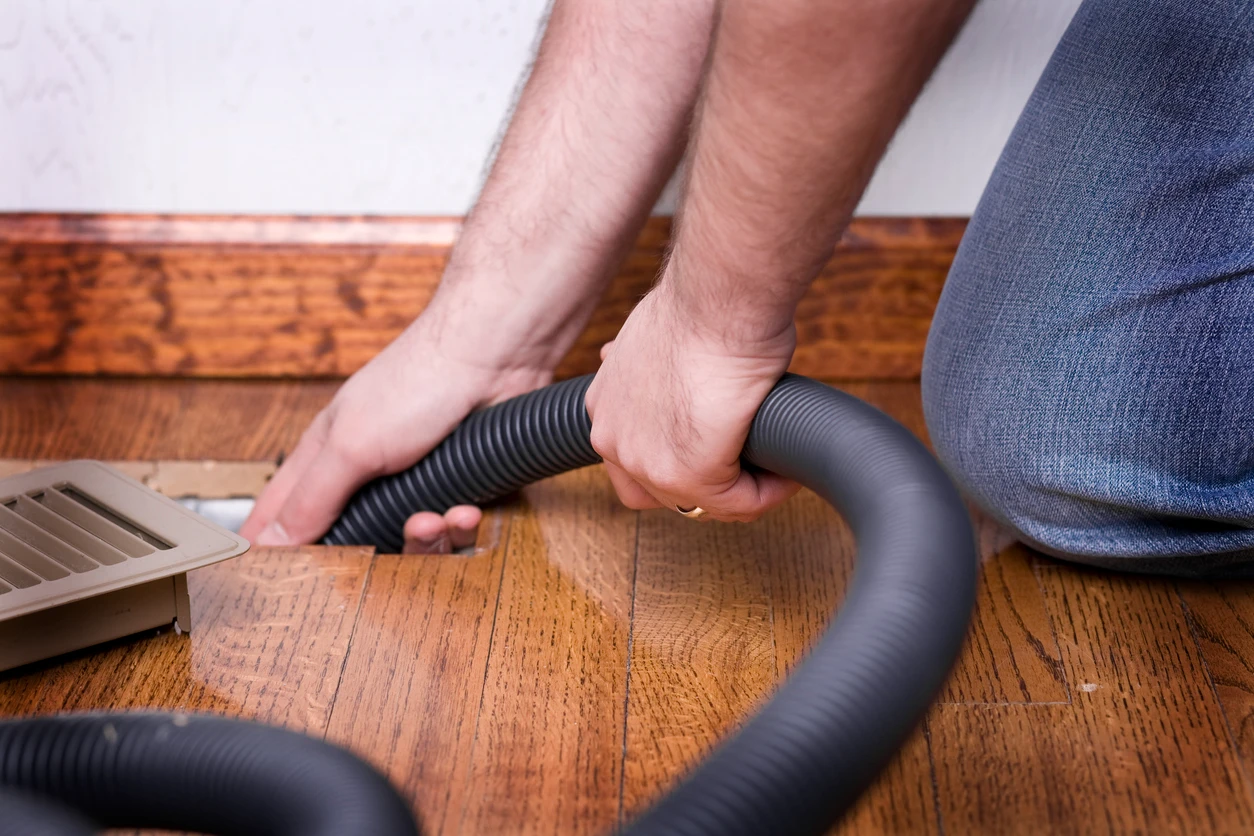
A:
(1089, 377)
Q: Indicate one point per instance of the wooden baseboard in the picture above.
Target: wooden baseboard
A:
(228, 296)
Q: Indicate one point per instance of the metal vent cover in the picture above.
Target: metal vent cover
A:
(88, 554)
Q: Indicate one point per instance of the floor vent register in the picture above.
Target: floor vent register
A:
(88, 554)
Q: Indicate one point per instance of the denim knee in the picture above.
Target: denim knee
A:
(994, 446)
(1088, 377)
(1096, 441)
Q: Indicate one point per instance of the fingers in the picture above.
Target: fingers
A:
(463, 525)
(430, 533)
(279, 488)
(750, 496)
(426, 533)
(308, 491)
(314, 502)
(630, 492)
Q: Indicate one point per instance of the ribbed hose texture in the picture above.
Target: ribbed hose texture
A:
(494, 452)
(804, 760)
(198, 773)
(793, 769)
(835, 724)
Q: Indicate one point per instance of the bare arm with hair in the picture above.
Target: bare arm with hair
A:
(796, 107)
(596, 133)
(800, 101)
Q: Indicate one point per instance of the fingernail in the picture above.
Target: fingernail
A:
(273, 534)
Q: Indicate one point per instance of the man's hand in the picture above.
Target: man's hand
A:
(671, 409)
(385, 418)
(596, 133)
(797, 102)
(797, 105)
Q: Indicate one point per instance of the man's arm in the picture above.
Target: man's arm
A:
(801, 99)
(596, 132)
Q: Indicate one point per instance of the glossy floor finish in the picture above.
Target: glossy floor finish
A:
(564, 675)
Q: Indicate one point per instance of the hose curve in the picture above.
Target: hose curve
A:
(794, 768)
(804, 760)
(197, 773)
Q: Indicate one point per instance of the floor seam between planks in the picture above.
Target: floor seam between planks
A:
(1053, 634)
(1214, 688)
(487, 661)
(348, 649)
(931, 768)
(631, 635)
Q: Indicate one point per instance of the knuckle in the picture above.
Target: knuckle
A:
(603, 443)
(736, 512)
(357, 450)
(670, 480)
(634, 501)
(319, 429)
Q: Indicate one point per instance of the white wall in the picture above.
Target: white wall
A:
(331, 106)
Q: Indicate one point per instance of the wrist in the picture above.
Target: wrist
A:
(495, 320)
(739, 321)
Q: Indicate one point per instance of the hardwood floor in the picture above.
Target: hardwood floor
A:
(565, 674)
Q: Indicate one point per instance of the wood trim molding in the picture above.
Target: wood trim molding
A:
(282, 296)
(434, 233)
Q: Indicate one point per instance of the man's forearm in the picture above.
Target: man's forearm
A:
(801, 100)
(596, 133)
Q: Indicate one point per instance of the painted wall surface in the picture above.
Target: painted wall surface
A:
(329, 106)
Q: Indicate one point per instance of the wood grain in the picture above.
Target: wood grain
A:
(1011, 655)
(702, 652)
(1222, 618)
(299, 297)
(548, 750)
(414, 682)
(537, 685)
(1142, 748)
(272, 633)
(155, 419)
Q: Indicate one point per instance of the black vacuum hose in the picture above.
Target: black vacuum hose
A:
(190, 772)
(799, 764)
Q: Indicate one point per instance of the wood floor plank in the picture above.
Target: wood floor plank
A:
(1011, 654)
(272, 632)
(1222, 618)
(155, 419)
(548, 752)
(413, 683)
(702, 653)
(808, 556)
(1141, 749)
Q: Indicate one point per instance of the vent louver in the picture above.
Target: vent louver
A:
(88, 554)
